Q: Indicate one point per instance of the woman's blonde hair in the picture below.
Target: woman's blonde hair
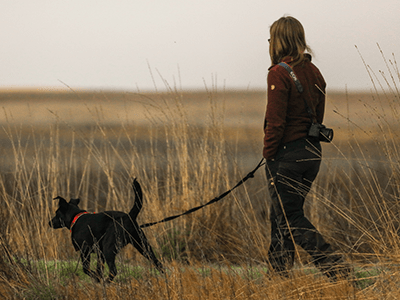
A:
(287, 38)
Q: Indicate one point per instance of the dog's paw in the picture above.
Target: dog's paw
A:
(109, 280)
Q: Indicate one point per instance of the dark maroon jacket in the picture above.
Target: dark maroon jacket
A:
(286, 118)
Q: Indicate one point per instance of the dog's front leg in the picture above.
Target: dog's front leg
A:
(100, 265)
(109, 256)
(85, 257)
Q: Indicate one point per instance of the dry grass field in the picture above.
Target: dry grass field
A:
(185, 148)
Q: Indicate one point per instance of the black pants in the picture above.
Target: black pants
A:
(290, 177)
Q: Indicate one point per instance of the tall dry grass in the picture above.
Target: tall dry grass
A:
(220, 251)
(365, 191)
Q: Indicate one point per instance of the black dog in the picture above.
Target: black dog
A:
(103, 233)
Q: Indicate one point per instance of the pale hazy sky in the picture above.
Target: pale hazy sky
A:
(113, 44)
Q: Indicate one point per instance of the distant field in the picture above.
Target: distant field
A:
(241, 108)
(241, 111)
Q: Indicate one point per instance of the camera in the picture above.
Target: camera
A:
(321, 132)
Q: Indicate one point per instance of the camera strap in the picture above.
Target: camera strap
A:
(299, 88)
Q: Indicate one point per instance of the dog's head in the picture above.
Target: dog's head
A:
(65, 213)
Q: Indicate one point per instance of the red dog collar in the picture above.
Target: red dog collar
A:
(76, 219)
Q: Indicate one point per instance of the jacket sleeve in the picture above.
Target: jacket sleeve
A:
(320, 109)
(319, 92)
(275, 116)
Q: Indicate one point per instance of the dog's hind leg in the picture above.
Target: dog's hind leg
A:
(144, 248)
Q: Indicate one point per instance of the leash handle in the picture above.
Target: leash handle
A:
(216, 199)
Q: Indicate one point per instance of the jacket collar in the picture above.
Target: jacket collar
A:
(289, 59)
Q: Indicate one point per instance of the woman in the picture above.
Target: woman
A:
(293, 158)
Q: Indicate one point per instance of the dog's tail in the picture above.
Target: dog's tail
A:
(138, 200)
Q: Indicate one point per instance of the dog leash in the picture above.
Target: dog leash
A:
(216, 199)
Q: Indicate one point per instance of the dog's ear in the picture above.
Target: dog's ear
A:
(61, 200)
(74, 201)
